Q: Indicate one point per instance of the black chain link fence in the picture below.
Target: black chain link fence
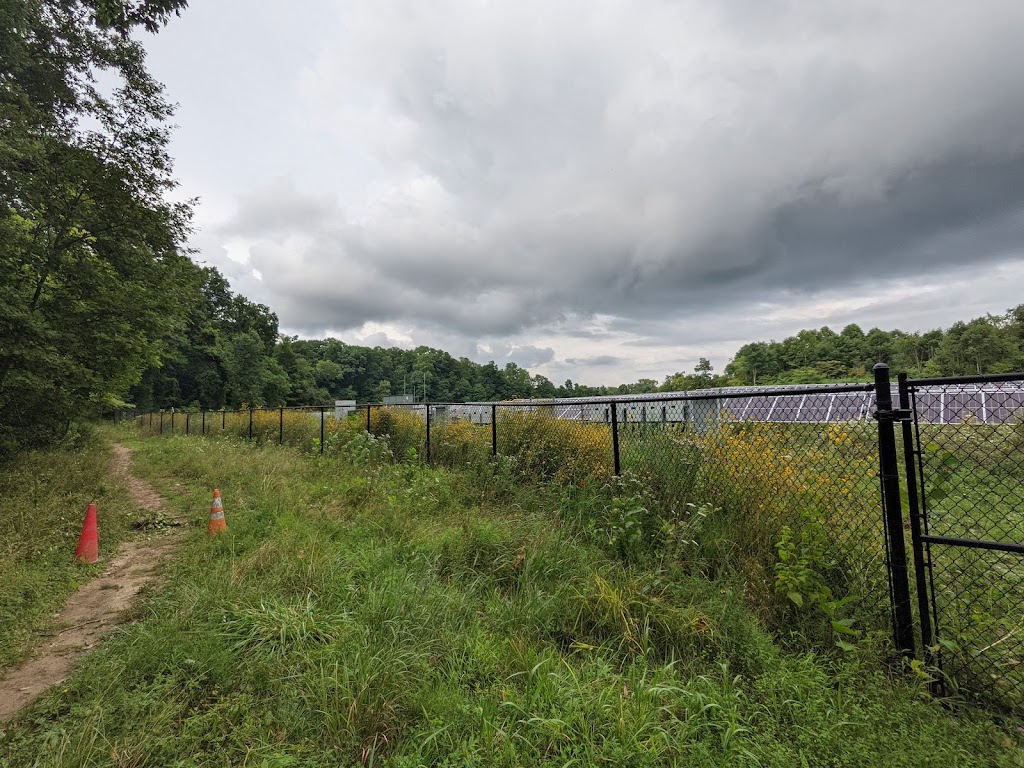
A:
(726, 478)
(780, 486)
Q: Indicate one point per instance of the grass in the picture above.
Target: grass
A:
(723, 498)
(360, 612)
(44, 495)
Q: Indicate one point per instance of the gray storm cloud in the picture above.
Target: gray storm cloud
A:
(534, 163)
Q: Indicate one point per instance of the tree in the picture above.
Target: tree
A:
(542, 386)
(195, 361)
(878, 345)
(382, 390)
(95, 279)
(979, 346)
(302, 387)
(329, 376)
(517, 382)
(254, 378)
(703, 373)
(755, 362)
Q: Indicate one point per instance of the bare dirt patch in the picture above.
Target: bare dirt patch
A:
(97, 607)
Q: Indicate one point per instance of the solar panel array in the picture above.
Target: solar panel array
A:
(990, 403)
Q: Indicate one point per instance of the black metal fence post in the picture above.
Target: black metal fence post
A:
(321, 430)
(223, 419)
(187, 420)
(914, 510)
(204, 422)
(428, 433)
(172, 421)
(903, 624)
(280, 426)
(161, 422)
(494, 429)
(250, 425)
(615, 436)
(367, 417)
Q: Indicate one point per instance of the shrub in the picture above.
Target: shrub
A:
(456, 443)
(552, 449)
(405, 429)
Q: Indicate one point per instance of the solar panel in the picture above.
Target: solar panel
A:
(993, 403)
(987, 403)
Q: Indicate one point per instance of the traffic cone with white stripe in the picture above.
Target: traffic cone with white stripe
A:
(217, 522)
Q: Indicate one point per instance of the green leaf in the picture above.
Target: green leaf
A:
(919, 669)
(843, 627)
(797, 598)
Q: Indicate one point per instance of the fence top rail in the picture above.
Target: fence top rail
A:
(985, 378)
(725, 393)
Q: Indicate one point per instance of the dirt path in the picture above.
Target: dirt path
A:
(96, 608)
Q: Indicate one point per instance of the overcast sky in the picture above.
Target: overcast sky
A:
(603, 190)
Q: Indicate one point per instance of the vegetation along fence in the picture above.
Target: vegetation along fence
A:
(889, 505)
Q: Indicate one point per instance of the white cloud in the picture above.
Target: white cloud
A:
(630, 184)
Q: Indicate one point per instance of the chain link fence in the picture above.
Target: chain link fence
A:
(785, 487)
(727, 478)
(968, 456)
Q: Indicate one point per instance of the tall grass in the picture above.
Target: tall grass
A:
(43, 498)
(726, 499)
(364, 612)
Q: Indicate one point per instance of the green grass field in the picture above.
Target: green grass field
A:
(366, 612)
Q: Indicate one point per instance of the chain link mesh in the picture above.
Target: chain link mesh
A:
(970, 449)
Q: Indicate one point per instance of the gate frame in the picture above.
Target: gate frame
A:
(921, 537)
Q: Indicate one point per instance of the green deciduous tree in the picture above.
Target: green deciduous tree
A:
(95, 279)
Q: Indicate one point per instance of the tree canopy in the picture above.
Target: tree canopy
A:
(91, 258)
(990, 344)
(229, 356)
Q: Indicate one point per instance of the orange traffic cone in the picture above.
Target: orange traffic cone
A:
(217, 522)
(88, 542)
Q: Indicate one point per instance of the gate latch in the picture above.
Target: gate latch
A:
(896, 414)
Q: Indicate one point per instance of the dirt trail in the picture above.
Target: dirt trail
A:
(96, 608)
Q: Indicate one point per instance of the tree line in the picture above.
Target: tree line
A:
(990, 344)
(229, 354)
(232, 355)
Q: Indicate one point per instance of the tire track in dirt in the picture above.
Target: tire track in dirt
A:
(96, 608)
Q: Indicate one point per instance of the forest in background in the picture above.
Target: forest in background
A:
(231, 354)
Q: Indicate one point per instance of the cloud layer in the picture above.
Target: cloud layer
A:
(620, 184)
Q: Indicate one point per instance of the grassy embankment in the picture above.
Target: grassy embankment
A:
(367, 612)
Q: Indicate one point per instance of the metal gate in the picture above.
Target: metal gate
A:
(963, 446)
